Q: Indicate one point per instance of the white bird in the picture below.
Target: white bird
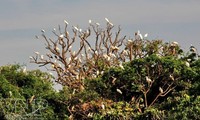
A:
(148, 79)
(102, 106)
(121, 66)
(130, 41)
(97, 24)
(187, 64)
(138, 36)
(161, 90)
(52, 65)
(97, 72)
(69, 66)
(42, 57)
(90, 115)
(43, 30)
(10, 93)
(188, 60)
(66, 22)
(82, 55)
(75, 28)
(119, 91)
(90, 21)
(77, 77)
(61, 36)
(146, 35)
(96, 52)
(171, 77)
(141, 36)
(94, 76)
(30, 57)
(69, 59)
(87, 32)
(24, 70)
(193, 49)
(75, 58)
(70, 47)
(176, 43)
(37, 53)
(57, 49)
(74, 53)
(110, 23)
(89, 49)
(107, 20)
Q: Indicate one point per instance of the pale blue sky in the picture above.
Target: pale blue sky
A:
(21, 20)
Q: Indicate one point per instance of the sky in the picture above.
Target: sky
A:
(21, 20)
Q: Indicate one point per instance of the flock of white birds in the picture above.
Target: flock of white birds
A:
(138, 36)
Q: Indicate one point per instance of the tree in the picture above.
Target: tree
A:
(28, 94)
(111, 77)
(94, 55)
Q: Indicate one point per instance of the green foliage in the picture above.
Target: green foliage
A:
(27, 94)
(181, 101)
(182, 107)
(118, 93)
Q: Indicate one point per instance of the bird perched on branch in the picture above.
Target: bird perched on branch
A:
(148, 80)
(43, 31)
(90, 21)
(193, 49)
(171, 77)
(66, 22)
(138, 36)
(161, 90)
(108, 22)
(119, 91)
(173, 47)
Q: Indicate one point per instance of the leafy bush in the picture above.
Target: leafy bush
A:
(26, 94)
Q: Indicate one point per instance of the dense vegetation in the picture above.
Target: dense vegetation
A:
(28, 94)
(117, 94)
(146, 80)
